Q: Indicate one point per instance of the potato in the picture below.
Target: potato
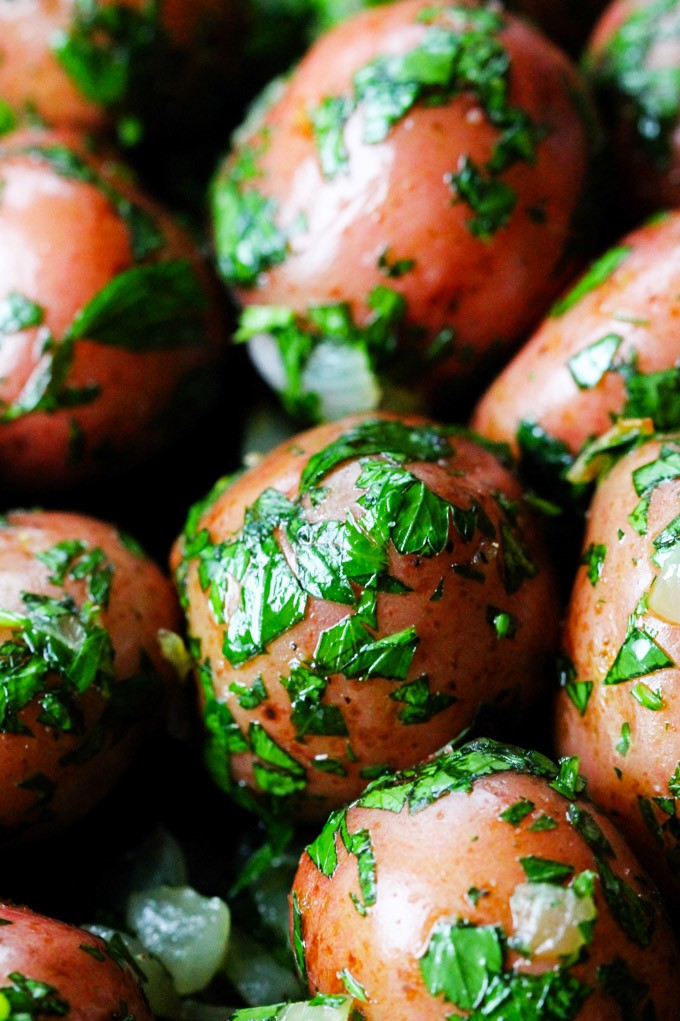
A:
(81, 63)
(49, 969)
(404, 208)
(352, 602)
(106, 315)
(632, 61)
(619, 709)
(482, 884)
(81, 668)
(609, 349)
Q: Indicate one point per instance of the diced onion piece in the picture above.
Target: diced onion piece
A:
(317, 1012)
(339, 375)
(187, 932)
(664, 598)
(547, 919)
(158, 985)
(256, 974)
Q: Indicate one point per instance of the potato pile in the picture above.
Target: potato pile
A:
(426, 234)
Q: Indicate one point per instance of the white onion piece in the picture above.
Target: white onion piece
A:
(187, 932)
(547, 919)
(258, 977)
(664, 598)
(158, 985)
(339, 375)
(316, 1012)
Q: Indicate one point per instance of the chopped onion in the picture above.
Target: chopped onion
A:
(187, 932)
(158, 985)
(664, 598)
(256, 974)
(338, 374)
(317, 1012)
(548, 919)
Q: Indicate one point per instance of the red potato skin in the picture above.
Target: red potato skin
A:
(643, 185)
(49, 951)
(141, 602)
(425, 864)
(640, 302)
(458, 650)
(32, 77)
(61, 241)
(595, 628)
(490, 293)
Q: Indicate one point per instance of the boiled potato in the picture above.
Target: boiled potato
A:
(482, 884)
(49, 969)
(353, 601)
(609, 350)
(403, 209)
(81, 673)
(633, 62)
(106, 315)
(619, 709)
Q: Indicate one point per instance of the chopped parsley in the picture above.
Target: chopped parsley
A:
(26, 998)
(543, 870)
(639, 656)
(593, 559)
(593, 362)
(419, 704)
(517, 812)
(598, 274)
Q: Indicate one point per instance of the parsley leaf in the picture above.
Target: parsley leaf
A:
(419, 703)
(598, 274)
(543, 870)
(18, 313)
(639, 655)
(593, 362)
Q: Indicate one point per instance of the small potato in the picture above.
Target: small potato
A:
(49, 969)
(632, 61)
(82, 64)
(482, 884)
(354, 600)
(404, 209)
(81, 674)
(619, 709)
(609, 349)
(105, 315)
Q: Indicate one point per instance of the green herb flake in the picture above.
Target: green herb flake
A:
(26, 998)
(352, 985)
(517, 812)
(647, 698)
(394, 268)
(310, 715)
(639, 656)
(623, 744)
(504, 623)
(298, 939)
(568, 781)
(593, 559)
(19, 313)
(674, 782)
(543, 823)
(543, 870)
(250, 696)
(598, 274)
(419, 704)
(579, 692)
(593, 362)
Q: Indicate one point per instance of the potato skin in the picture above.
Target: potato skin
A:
(429, 864)
(94, 985)
(463, 658)
(32, 77)
(346, 222)
(141, 601)
(645, 147)
(623, 771)
(637, 301)
(62, 242)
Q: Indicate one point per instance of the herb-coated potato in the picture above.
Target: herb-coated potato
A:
(620, 706)
(49, 969)
(404, 206)
(105, 315)
(81, 674)
(632, 61)
(482, 884)
(80, 63)
(354, 599)
(610, 348)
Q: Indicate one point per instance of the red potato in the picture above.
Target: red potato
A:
(106, 313)
(632, 61)
(367, 608)
(111, 69)
(439, 231)
(620, 708)
(81, 679)
(609, 349)
(48, 969)
(442, 892)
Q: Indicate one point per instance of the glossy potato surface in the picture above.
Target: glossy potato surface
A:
(380, 607)
(67, 734)
(410, 899)
(72, 973)
(609, 349)
(47, 63)
(434, 205)
(75, 405)
(620, 709)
